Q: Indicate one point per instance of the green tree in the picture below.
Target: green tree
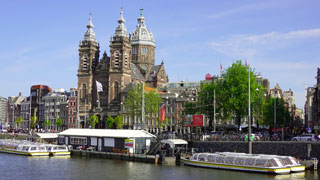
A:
(118, 122)
(58, 122)
(47, 123)
(34, 119)
(133, 102)
(283, 117)
(19, 121)
(235, 91)
(93, 120)
(109, 122)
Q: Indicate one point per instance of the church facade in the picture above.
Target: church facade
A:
(131, 61)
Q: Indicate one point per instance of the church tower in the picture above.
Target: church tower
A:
(88, 60)
(119, 67)
(143, 46)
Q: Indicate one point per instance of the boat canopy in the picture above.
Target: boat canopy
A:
(173, 142)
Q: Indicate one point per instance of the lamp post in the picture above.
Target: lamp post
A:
(275, 113)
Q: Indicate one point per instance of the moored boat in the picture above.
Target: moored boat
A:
(245, 162)
(57, 150)
(23, 148)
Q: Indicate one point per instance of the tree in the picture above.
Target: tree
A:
(93, 120)
(283, 117)
(109, 122)
(118, 122)
(34, 119)
(19, 121)
(47, 123)
(133, 102)
(235, 91)
(58, 122)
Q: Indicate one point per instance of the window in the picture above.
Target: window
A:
(84, 62)
(116, 91)
(116, 59)
(93, 141)
(126, 59)
(78, 140)
(84, 91)
(61, 139)
(109, 142)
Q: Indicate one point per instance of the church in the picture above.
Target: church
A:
(102, 82)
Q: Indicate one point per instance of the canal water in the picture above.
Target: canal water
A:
(82, 168)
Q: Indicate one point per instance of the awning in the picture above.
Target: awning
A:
(173, 142)
(47, 135)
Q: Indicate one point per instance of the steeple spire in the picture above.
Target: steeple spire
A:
(121, 28)
(141, 19)
(89, 34)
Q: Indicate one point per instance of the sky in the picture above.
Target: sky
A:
(278, 38)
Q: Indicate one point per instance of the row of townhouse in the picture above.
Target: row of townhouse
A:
(44, 105)
(312, 105)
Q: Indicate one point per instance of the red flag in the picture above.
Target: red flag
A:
(162, 113)
(220, 66)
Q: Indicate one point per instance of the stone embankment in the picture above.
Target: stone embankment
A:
(118, 156)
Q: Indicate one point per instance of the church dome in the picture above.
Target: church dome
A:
(141, 35)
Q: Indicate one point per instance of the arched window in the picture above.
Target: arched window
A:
(116, 59)
(84, 91)
(116, 91)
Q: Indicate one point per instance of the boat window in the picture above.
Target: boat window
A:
(33, 148)
(239, 161)
(42, 148)
(229, 160)
(202, 157)
(62, 148)
(25, 148)
(261, 162)
(49, 148)
(210, 158)
(54, 148)
(220, 159)
(286, 161)
(249, 161)
(272, 163)
(195, 157)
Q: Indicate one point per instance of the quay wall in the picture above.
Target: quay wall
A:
(118, 156)
(301, 150)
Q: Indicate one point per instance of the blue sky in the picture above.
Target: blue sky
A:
(279, 38)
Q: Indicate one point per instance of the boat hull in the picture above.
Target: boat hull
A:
(237, 168)
(298, 169)
(25, 153)
(64, 153)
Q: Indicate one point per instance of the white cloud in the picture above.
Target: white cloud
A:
(248, 46)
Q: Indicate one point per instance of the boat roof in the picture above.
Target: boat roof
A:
(47, 135)
(116, 133)
(173, 142)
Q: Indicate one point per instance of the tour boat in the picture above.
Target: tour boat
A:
(57, 150)
(23, 148)
(245, 162)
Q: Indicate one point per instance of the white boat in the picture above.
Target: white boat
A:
(57, 150)
(23, 148)
(241, 162)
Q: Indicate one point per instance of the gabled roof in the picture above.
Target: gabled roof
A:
(135, 72)
(115, 133)
(153, 72)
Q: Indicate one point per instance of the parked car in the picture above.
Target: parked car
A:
(3, 130)
(305, 137)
